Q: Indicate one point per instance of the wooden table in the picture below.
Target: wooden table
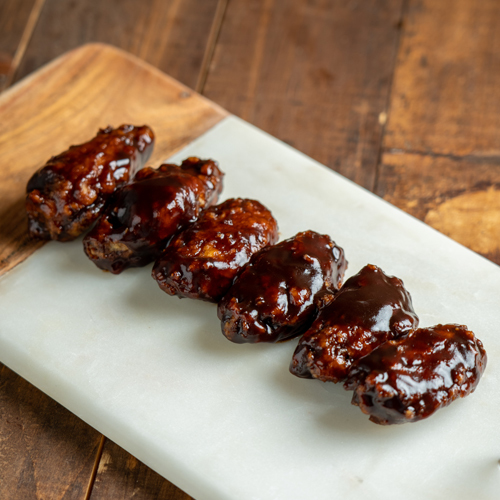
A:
(401, 96)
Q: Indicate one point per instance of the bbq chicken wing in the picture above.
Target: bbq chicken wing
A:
(273, 299)
(369, 309)
(66, 195)
(141, 217)
(202, 261)
(407, 380)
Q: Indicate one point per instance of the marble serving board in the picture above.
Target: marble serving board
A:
(225, 421)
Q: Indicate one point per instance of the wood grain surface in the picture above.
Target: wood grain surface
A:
(313, 74)
(120, 475)
(169, 34)
(458, 196)
(445, 93)
(17, 19)
(37, 459)
(401, 96)
(441, 150)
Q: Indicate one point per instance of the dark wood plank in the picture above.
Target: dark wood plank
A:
(219, 15)
(315, 74)
(170, 34)
(458, 196)
(14, 16)
(122, 476)
(445, 96)
(442, 143)
(45, 451)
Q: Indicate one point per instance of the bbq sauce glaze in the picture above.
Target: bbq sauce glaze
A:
(141, 217)
(273, 299)
(66, 195)
(407, 380)
(202, 261)
(369, 309)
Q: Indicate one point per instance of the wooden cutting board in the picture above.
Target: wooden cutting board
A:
(66, 102)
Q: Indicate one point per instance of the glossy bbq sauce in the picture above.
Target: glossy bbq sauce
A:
(202, 261)
(409, 379)
(142, 217)
(369, 309)
(66, 196)
(274, 297)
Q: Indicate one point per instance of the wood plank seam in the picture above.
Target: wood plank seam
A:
(211, 44)
(95, 468)
(257, 58)
(380, 152)
(23, 43)
(473, 158)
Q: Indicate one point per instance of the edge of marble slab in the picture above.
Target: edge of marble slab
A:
(63, 391)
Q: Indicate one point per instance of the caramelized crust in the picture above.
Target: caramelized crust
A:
(67, 194)
(369, 309)
(202, 261)
(273, 298)
(409, 379)
(141, 217)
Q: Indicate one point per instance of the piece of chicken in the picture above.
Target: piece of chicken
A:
(202, 261)
(141, 217)
(369, 309)
(67, 194)
(407, 380)
(273, 299)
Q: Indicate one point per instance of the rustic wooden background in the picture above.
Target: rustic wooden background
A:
(401, 96)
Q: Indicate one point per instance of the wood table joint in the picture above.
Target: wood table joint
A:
(400, 25)
(23, 43)
(95, 468)
(213, 36)
(471, 158)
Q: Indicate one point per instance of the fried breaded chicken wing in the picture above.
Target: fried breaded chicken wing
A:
(407, 380)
